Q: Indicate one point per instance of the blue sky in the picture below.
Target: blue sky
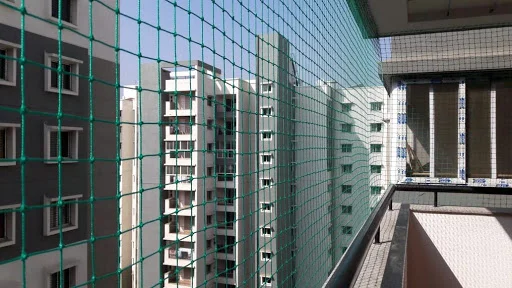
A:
(324, 39)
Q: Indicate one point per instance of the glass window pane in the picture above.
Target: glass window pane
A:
(418, 131)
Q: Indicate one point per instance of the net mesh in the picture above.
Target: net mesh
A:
(227, 143)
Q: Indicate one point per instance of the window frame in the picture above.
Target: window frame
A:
(271, 109)
(347, 230)
(372, 125)
(10, 142)
(265, 283)
(346, 107)
(266, 259)
(73, 14)
(262, 155)
(266, 235)
(346, 148)
(267, 84)
(75, 71)
(346, 209)
(345, 188)
(343, 166)
(270, 132)
(10, 228)
(371, 169)
(373, 105)
(48, 129)
(374, 146)
(265, 210)
(64, 268)
(344, 125)
(270, 183)
(374, 188)
(11, 65)
(48, 231)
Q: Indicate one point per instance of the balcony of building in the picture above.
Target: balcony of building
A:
(180, 203)
(179, 254)
(226, 199)
(226, 271)
(225, 247)
(181, 279)
(226, 223)
(181, 105)
(180, 130)
(180, 228)
(225, 107)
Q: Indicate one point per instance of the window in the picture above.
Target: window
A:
(346, 107)
(209, 195)
(267, 111)
(8, 144)
(376, 106)
(343, 249)
(346, 209)
(7, 226)
(209, 124)
(8, 66)
(266, 158)
(346, 168)
(346, 148)
(267, 281)
(266, 207)
(346, 127)
(375, 127)
(375, 190)
(266, 182)
(67, 278)
(68, 146)
(68, 76)
(68, 218)
(209, 220)
(68, 10)
(209, 100)
(266, 231)
(375, 168)
(347, 189)
(347, 230)
(266, 256)
(209, 244)
(266, 135)
(209, 171)
(375, 148)
(266, 88)
(209, 147)
(209, 268)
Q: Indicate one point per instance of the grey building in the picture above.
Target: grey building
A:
(33, 178)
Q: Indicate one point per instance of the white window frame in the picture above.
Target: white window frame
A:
(74, 15)
(266, 235)
(266, 259)
(265, 283)
(271, 182)
(267, 154)
(267, 131)
(266, 211)
(47, 130)
(11, 233)
(267, 107)
(75, 70)
(57, 270)
(47, 211)
(12, 51)
(10, 142)
(271, 84)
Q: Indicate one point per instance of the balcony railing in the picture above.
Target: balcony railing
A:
(181, 178)
(226, 201)
(226, 154)
(174, 203)
(225, 176)
(182, 253)
(229, 274)
(225, 225)
(177, 279)
(222, 248)
(180, 154)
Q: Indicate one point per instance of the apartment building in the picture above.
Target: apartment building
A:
(201, 157)
(57, 172)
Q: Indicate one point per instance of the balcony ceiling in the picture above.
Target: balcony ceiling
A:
(402, 17)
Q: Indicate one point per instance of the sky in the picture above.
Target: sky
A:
(325, 41)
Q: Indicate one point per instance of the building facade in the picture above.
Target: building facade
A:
(37, 171)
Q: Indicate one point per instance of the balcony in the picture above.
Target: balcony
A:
(176, 281)
(181, 257)
(431, 236)
(185, 108)
(181, 132)
(181, 207)
(226, 154)
(225, 252)
(180, 182)
(184, 84)
(174, 232)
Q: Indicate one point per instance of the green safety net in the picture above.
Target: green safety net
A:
(199, 143)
